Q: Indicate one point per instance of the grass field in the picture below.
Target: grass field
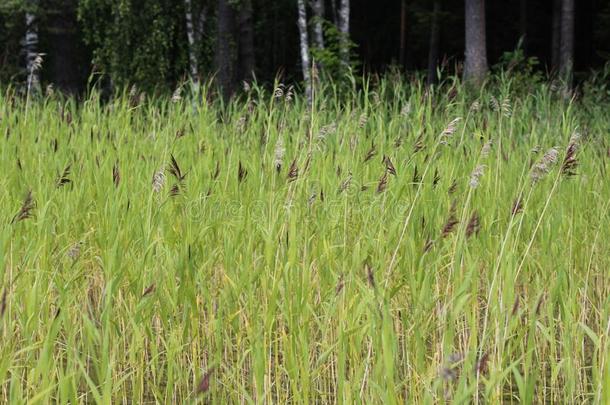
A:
(402, 247)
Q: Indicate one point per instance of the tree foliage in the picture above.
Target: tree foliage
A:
(144, 42)
(136, 41)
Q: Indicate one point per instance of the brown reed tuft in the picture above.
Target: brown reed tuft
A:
(452, 187)
(3, 303)
(204, 384)
(64, 178)
(388, 165)
(241, 172)
(371, 153)
(345, 183)
(383, 182)
(369, 275)
(293, 172)
(428, 245)
(116, 174)
(340, 285)
(517, 206)
(570, 161)
(419, 143)
(416, 177)
(451, 222)
(149, 290)
(513, 312)
(175, 171)
(474, 225)
(449, 226)
(436, 178)
(27, 208)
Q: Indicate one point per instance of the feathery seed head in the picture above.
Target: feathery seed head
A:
(486, 148)
(506, 107)
(545, 164)
(449, 130)
(278, 92)
(495, 105)
(475, 176)
(279, 154)
(158, 181)
(327, 130)
(362, 120)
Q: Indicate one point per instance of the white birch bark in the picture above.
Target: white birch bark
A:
(302, 23)
(190, 33)
(318, 35)
(475, 63)
(344, 29)
(32, 57)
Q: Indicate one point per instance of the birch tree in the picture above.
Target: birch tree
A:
(475, 64)
(304, 42)
(190, 34)
(317, 7)
(32, 57)
(344, 29)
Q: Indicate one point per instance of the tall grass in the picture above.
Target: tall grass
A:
(405, 246)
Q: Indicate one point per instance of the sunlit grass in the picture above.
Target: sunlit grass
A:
(289, 264)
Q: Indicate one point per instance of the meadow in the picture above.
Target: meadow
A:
(396, 245)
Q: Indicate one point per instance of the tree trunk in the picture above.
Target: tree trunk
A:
(246, 41)
(566, 53)
(344, 29)
(30, 45)
(475, 64)
(190, 34)
(403, 32)
(435, 33)
(556, 35)
(201, 23)
(318, 11)
(333, 10)
(302, 22)
(62, 43)
(225, 49)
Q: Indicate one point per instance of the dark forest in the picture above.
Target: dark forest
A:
(157, 43)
